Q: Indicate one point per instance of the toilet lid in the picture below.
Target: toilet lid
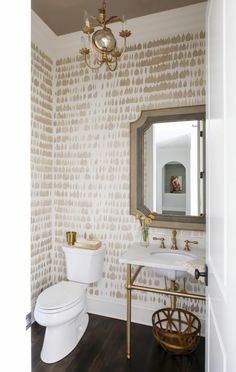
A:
(60, 295)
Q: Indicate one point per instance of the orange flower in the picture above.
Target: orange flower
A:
(153, 215)
(147, 220)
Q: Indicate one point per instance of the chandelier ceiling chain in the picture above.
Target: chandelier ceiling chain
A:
(102, 45)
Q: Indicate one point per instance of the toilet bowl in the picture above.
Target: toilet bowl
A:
(62, 308)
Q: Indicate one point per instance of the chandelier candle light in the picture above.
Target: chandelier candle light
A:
(102, 43)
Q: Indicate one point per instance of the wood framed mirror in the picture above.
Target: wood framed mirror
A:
(167, 167)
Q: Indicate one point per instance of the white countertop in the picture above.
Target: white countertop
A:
(170, 260)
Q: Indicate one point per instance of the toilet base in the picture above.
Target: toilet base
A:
(60, 340)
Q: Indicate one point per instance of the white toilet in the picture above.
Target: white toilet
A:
(62, 308)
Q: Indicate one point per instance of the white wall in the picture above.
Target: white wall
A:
(174, 202)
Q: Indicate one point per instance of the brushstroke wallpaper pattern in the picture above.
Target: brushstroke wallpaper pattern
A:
(91, 151)
(41, 171)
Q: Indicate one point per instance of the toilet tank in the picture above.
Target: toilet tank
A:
(84, 265)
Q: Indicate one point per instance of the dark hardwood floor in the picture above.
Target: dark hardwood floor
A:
(102, 349)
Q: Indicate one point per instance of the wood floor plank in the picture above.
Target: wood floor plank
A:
(102, 349)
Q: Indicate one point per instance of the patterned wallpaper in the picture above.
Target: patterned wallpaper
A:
(91, 149)
(41, 170)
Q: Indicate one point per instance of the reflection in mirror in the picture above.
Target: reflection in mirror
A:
(173, 165)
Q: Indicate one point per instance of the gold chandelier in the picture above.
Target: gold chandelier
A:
(102, 43)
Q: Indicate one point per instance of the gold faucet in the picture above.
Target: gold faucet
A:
(173, 239)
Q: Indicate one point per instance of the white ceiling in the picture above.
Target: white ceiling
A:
(66, 16)
(177, 134)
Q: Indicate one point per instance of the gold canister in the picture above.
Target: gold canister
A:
(71, 237)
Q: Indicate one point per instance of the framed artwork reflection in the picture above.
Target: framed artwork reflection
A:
(176, 184)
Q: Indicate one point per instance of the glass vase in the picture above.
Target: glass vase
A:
(144, 235)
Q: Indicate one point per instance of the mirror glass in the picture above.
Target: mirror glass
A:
(173, 165)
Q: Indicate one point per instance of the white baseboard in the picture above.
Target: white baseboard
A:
(116, 309)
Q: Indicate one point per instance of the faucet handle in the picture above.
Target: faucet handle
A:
(162, 245)
(187, 242)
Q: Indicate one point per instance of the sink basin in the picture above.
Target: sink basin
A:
(172, 258)
(171, 263)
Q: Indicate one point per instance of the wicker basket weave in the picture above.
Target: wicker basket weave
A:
(178, 331)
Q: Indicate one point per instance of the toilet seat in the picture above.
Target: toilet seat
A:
(60, 297)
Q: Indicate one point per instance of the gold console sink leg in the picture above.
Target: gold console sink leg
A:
(128, 323)
(172, 298)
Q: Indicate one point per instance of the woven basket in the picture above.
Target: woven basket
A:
(178, 331)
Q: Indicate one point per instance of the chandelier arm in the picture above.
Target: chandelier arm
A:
(113, 19)
(111, 60)
(120, 51)
(109, 65)
(100, 63)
